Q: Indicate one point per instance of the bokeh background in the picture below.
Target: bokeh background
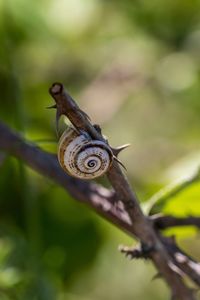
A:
(134, 67)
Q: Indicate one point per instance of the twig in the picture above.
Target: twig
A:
(140, 225)
(162, 222)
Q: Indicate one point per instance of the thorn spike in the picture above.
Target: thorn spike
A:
(57, 122)
(156, 276)
(51, 106)
(117, 150)
(119, 162)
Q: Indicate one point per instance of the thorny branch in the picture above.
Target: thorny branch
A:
(140, 225)
(119, 206)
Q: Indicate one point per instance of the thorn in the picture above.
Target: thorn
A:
(119, 162)
(57, 122)
(51, 106)
(156, 276)
(117, 150)
(57, 117)
(98, 128)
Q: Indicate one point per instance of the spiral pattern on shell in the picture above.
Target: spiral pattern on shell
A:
(82, 157)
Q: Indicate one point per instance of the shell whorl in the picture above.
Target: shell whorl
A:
(82, 157)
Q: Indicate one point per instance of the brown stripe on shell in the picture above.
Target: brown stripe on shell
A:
(67, 137)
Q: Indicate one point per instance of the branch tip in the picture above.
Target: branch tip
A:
(56, 88)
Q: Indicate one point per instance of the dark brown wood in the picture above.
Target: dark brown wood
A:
(163, 222)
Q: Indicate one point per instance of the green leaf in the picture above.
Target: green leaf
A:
(186, 187)
(184, 203)
(181, 199)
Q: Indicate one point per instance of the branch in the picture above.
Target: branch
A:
(96, 196)
(163, 222)
(141, 227)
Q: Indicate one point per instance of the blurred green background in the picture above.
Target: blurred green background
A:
(134, 67)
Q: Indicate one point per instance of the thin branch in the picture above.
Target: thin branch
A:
(162, 222)
(140, 225)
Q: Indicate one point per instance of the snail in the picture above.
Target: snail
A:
(81, 156)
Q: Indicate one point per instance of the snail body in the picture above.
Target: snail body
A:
(82, 157)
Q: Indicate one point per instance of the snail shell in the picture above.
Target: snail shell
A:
(82, 157)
